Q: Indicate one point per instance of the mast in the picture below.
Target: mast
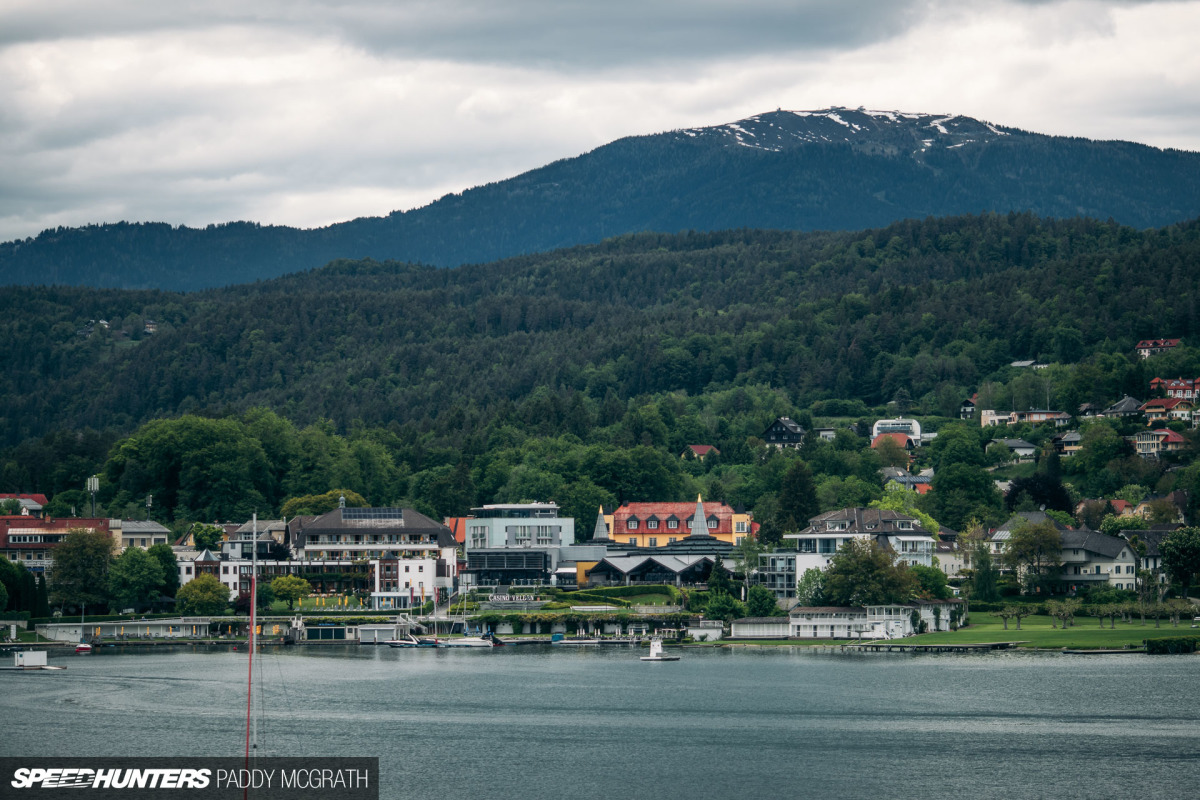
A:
(251, 727)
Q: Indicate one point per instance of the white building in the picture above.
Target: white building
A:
(825, 535)
(518, 525)
(872, 622)
(909, 427)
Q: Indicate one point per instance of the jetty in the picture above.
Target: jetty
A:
(893, 646)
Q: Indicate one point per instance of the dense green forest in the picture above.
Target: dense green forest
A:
(581, 375)
(703, 180)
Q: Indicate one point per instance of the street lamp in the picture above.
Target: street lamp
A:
(93, 486)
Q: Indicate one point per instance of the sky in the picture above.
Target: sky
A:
(305, 113)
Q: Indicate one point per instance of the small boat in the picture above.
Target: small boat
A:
(465, 641)
(411, 641)
(558, 638)
(83, 647)
(656, 652)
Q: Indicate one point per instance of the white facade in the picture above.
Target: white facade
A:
(873, 622)
(909, 427)
(518, 525)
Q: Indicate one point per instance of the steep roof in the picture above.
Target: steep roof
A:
(1093, 542)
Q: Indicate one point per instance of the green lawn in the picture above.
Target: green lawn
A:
(1036, 631)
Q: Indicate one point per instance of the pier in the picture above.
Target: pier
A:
(891, 646)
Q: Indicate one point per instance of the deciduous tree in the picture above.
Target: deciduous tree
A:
(79, 574)
(204, 595)
(863, 573)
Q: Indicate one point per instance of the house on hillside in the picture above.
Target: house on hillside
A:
(1152, 444)
(783, 432)
(1125, 407)
(1151, 347)
(31, 504)
(1021, 449)
(1163, 409)
(1183, 388)
(698, 451)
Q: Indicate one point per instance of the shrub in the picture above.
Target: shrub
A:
(1172, 645)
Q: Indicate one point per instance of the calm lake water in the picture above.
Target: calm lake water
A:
(537, 722)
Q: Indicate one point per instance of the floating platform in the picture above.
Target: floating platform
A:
(894, 646)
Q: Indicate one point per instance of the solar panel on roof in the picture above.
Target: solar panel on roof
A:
(372, 513)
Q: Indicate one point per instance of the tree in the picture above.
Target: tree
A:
(1040, 491)
(170, 567)
(10, 507)
(797, 498)
(899, 498)
(1180, 551)
(134, 578)
(892, 454)
(316, 504)
(207, 537)
(962, 491)
(1032, 551)
(810, 589)
(745, 558)
(3, 596)
(718, 578)
(760, 602)
(725, 607)
(1112, 525)
(202, 596)
(79, 574)
(863, 573)
(931, 583)
(1021, 611)
(290, 588)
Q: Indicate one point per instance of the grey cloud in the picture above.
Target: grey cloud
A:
(566, 35)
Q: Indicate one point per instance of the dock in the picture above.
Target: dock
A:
(892, 646)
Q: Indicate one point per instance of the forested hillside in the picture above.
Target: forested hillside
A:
(582, 375)
(833, 170)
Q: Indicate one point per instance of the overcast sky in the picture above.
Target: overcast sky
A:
(303, 112)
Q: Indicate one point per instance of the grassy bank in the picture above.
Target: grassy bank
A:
(1037, 631)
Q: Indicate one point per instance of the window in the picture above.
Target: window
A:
(712, 523)
(672, 539)
(652, 524)
(742, 527)
(654, 541)
(633, 540)
(672, 524)
(631, 524)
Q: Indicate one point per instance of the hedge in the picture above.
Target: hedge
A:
(630, 591)
(1172, 645)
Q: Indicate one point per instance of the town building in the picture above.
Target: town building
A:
(1150, 347)
(783, 432)
(518, 525)
(658, 524)
(1152, 444)
(826, 533)
(31, 540)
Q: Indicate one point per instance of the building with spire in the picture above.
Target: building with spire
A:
(659, 524)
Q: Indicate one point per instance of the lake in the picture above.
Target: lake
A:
(540, 722)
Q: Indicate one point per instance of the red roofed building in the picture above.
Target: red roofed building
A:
(659, 524)
(1149, 347)
(901, 439)
(1177, 387)
(699, 451)
(1161, 409)
(32, 541)
(1151, 443)
(31, 504)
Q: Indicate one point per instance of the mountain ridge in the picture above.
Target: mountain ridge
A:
(830, 169)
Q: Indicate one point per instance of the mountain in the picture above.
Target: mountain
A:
(933, 308)
(835, 169)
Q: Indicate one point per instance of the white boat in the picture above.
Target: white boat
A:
(656, 652)
(83, 647)
(466, 641)
(558, 638)
(411, 641)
